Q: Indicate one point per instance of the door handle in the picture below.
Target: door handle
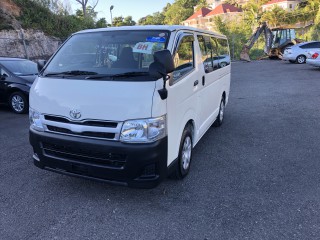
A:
(203, 80)
(196, 83)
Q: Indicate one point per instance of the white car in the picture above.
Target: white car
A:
(314, 60)
(299, 53)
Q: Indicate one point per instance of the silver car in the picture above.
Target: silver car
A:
(315, 59)
(299, 53)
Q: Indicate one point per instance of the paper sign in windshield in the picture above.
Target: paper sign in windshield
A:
(143, 47)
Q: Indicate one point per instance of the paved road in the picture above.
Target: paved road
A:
(256, 177)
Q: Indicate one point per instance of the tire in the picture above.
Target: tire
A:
(301, 59)
(185, 154)
(18, 102)
(223, 64)
(292, 61)
(218, 122)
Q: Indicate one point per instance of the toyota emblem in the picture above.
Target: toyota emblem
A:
(75, 114)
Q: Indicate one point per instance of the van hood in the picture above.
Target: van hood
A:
(100, 100)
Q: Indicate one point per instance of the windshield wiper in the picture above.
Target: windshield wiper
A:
(71, 73)
(28, 74)
(120, 75)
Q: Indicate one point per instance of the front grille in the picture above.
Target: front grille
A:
(92, 123)
(84, 134)
(90, 128)
(83, 155)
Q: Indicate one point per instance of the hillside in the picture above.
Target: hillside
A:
(9, 11)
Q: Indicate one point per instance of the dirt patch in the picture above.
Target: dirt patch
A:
(10, 8)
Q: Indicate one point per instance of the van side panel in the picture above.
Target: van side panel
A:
(199, 103)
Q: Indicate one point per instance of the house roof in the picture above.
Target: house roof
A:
(278, 1)
(224, 8)
(200, 13)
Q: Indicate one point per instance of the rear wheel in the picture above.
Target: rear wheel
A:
(220, 117)
(185, 154)
(301, 59)
(18, 102)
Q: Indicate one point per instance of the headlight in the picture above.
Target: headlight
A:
(144, 130)
(35, 120)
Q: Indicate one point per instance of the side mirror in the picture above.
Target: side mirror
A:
(41, 64)
(162, 65)
(164, 57)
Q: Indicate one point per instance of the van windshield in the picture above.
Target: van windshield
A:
(109, 54)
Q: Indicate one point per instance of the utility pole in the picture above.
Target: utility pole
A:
(111, 7)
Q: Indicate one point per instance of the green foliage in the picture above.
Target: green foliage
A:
(155, 19)
(37, 14)
(121, 21)
(101, 23)
(202, 4)
(237, 32)
(179, 11)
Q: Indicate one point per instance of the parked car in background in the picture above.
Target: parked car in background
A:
(16, 78)
(299, 53)
(314, 60)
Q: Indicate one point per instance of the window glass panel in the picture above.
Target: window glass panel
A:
(205, 47)
(223, 52)
(184, 58)
(214, 52)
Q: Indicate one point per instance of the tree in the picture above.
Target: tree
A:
(121, 21)
(91, 14)
(101, 23)
(128, 21)
(202, 4)
(155, 19)
(84, 4)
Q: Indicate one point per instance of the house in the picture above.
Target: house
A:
(203, 18)
(197, 19)
(288, 5)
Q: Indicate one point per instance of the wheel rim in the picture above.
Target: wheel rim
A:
(221, 112)
(223, 65)
(17, 103)
(186, 153)
(301, 59)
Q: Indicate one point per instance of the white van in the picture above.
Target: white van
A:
(127, 105)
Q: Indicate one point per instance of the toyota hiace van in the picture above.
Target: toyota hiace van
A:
(127, 105)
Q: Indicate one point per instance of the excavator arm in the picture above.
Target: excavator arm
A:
(263, 28)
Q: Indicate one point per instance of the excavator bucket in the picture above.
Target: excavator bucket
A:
(244, 55)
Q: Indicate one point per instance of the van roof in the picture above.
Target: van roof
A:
(170, 28)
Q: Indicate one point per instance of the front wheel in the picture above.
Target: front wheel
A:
(18, 102)
(185, 154)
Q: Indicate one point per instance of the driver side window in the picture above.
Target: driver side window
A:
(184, 58)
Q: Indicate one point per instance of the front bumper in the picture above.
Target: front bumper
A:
(133, 165)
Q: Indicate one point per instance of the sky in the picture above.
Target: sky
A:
(135, 8)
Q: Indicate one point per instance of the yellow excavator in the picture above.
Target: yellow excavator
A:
(276, 40)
